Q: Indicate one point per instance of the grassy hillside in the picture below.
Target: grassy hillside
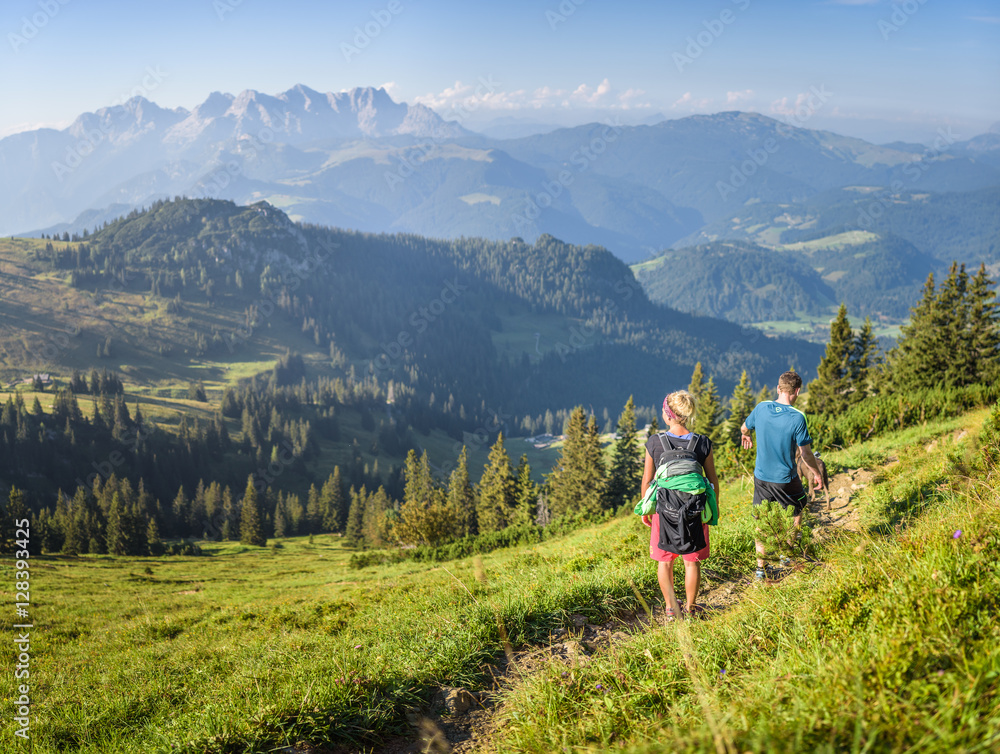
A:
(47, 325)
(887, 642)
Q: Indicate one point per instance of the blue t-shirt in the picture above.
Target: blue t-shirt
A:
(780, 430)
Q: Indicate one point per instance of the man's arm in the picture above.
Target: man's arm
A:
(812, 465)
(745, 440)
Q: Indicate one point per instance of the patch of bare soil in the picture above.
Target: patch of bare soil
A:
(834, 507)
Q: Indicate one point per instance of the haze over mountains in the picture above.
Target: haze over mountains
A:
(360, 160)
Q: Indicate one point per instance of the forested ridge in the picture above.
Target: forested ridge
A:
(100, 478)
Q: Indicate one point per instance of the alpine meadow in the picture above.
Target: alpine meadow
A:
(397, 378)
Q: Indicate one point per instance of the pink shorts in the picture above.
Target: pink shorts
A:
(662, 555)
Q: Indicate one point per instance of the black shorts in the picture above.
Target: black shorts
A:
(784, 493)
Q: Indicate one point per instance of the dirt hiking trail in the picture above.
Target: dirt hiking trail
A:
(464, 722)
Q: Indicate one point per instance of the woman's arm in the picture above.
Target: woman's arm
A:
(647, 477)
(647, 474)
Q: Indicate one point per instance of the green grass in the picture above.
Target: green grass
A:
(251, 650)
(891, 645)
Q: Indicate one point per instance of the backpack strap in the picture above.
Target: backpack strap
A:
(661, 436)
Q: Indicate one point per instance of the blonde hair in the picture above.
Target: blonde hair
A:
(682, 403)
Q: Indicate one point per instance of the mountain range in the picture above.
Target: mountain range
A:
(358, 159)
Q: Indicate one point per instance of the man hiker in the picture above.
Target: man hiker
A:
(781, 429)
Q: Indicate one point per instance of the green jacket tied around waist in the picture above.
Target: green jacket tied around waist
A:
(693, 484)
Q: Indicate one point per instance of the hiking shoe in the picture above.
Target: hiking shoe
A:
(786, 562)
(760, 574)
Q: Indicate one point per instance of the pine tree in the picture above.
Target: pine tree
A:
(914, 362)
(353, 532)
(830, 392)
(952, 350)
(983, 351)
(13, 513)
(74, 539)
(332, 502)
(116, 537)
(708, 413)
(577, 484)
(230, 515)
(525, 495)
(251, 524)
(424, 517)
(153, 541)
(866, 361)
(625, 472)
(462, 498)
(374, 522)
(496, 501)
(741, 403)
(280, 519)
(697, 386)
(314, 511)
(181, 513)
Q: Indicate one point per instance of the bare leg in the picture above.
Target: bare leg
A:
(760, 553)
(665, 575)
(692, 580)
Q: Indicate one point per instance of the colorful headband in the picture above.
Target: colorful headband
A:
(670, 414)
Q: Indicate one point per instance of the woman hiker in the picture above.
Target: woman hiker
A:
(692, 462)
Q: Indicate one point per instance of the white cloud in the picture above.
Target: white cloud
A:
(784, 106)
(734, 98)
(688, 102)
(470, 96)
(392, 89)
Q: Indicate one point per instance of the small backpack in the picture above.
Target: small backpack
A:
(680, 513)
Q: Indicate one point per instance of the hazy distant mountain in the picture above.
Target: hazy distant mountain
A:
(360, 160)
(136, 152)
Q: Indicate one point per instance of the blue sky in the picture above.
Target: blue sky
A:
(892, 70)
